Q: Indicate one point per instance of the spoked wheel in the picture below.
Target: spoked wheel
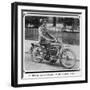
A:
(37, 54)
(68, 58)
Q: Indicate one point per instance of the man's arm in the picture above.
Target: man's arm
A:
(46, 35)
(42, 34)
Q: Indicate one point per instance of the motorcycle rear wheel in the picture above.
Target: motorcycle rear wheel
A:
(37, 54)
(68, 58)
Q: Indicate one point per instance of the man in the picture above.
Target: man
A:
(44, 36)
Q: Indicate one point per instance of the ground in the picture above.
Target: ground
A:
(30, 66)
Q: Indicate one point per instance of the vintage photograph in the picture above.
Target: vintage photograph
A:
(51, 42)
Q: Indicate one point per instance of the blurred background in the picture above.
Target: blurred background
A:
(65, 29)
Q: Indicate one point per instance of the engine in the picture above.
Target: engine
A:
(53, 51)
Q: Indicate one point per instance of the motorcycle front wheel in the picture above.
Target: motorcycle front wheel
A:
(37, 54)
(68, 58)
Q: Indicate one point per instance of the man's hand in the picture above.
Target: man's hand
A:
(52, 40)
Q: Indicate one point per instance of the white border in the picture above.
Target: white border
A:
(82, 46)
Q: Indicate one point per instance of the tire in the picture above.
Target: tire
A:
(66, 60)
(37, 55)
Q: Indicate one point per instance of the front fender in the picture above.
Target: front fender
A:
(64, 47)
(67, 48)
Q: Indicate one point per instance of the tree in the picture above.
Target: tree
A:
(54, 21)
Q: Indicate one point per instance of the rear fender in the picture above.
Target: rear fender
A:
(35, 45)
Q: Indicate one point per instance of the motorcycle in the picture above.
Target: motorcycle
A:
(52, 52)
